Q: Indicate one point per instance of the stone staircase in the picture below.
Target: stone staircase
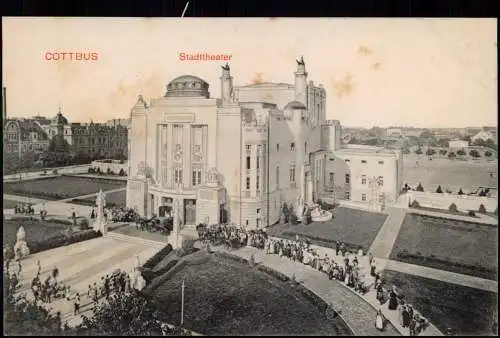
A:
(134, 239)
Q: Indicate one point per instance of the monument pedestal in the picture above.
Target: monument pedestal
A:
(208, 204)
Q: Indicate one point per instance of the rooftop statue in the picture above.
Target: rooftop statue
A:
(301, 61)
(226, 67)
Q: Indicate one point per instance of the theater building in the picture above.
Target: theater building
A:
(238, 158)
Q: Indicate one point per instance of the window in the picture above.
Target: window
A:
(347, 195)
(331, 179)
(246, 222)
(248, 162)
(305, 148)
(277, 147)
(292, 173)
(363, 161)
(292, 146)
(257, 164)
(257, 183)
(380, 180)
(347, 178)
(178, 175)
(381, 198)
(277, 176)
(248, 147)
(248, 183)
(380, 162)
(363, 179)
(196, 176)
(257, 222)
(258, 211)
(347, 160)
(363, 197)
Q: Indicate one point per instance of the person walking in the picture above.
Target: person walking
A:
(38, 268)
(380, 320)
(76, 304)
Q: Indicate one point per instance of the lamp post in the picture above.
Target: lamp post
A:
(182, 304)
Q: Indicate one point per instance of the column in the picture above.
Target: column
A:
(170, 145)
(164, 153)
(186, 156)
(253, 170)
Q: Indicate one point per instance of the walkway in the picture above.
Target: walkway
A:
(82, 264)
(357, 310)
(441, 275)
(387, 235)
(24, 199)
(91, 195)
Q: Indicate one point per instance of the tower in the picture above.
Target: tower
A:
(226, 80)
(301, 82)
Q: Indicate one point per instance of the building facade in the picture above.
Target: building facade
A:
(239, 158)
(458, 144)
(22, 136)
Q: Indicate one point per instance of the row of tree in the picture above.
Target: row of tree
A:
(474, 153)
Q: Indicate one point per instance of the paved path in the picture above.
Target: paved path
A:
(357, 310)
(92, 195)
(24, 199)
(442, 275)
(388, 233)
(82, 264)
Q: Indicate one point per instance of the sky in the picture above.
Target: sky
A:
(428, 73)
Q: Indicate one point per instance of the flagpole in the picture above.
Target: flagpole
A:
(182, 304)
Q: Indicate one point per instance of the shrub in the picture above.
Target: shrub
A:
(487, 153)
(460, 192)
(122, 172)
(61, 240)
(482, 209)
(84, 224)
(158, 257)
(439, 190)
(420, 187)
(418, 151)
(452, 155)
(453, 207)
(415, 204)
(471, 213)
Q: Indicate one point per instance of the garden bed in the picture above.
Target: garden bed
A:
(457, 246)
(445, 211)
(226, 297)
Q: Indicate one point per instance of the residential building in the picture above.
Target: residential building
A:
(458, 144)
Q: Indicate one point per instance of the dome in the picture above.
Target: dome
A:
(295, 105)
(187, 86)
(59, 119)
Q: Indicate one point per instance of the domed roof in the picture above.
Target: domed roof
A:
(187, 85)
(295, 105)
(59, 119)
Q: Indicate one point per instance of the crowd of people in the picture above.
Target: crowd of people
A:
(24, 208)
(231, 237)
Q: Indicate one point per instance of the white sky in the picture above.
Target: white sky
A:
(383, 72)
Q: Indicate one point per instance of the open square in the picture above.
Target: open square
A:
(61, 187)
(446, 242)
(351, 226)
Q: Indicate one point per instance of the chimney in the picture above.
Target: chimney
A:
(4, 103)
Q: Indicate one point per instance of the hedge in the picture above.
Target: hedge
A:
(158, 257)
(62, 240)
(282, 277)
(232, 257)
(33, 218)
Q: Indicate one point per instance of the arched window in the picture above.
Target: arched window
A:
(277, 176)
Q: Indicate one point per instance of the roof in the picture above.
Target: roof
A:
(59, 119)
(295, 105)
(27, 126)
(187, 86)
(187, 78)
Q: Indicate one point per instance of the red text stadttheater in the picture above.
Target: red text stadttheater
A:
(71, 56)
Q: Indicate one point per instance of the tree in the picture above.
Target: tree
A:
(474, 153)
(415, 204)
(471, 213)
(460, 192)
(426, 134)
(482, 209)
(420, 187)
(122, 172)
(461, 152)
(430, 152)
(439, 190)
(452, 155)
(443, 152)
(487, 153)
(307, 217)
(453, 207)
(419, 151)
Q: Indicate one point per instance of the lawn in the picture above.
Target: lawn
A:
(61, 187)
(352, 226)
(36, 230)
(9, 204)
(466, 310)
(117, 198)
(457, 246)
(225, 297)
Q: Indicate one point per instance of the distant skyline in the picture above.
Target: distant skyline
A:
(424, 73)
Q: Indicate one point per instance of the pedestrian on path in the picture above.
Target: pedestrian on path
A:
(380, 320)
(38, 268)
(76, 304)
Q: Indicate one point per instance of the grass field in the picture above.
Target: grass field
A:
(451, 175)
(9, 204)
(36, 230)
(117, 198)
(224, 297)
(351, 226)
(61, 186)
(451, 241)
(466, 310)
